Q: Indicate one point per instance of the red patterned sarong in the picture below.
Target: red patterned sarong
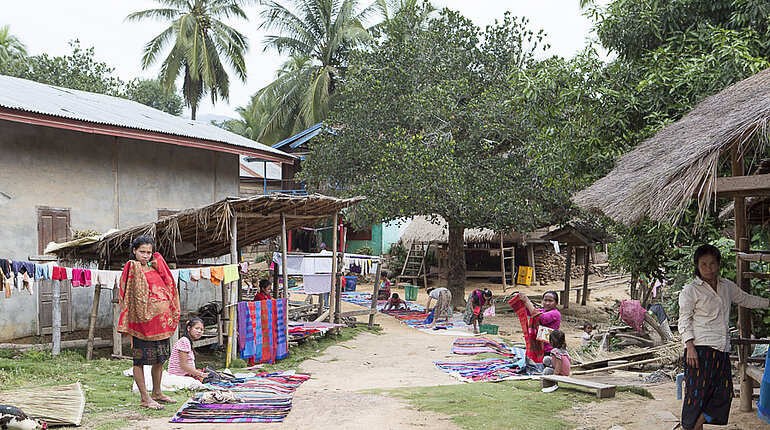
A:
(529, 327)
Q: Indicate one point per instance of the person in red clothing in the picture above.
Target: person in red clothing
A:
(150, 311)
(264, 291)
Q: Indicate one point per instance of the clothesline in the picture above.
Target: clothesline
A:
(22, 275)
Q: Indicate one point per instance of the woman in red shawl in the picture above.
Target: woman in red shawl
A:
(150, 311)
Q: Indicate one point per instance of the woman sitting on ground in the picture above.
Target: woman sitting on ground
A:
(558, 363)
(264, 291)
(474, 306)
(549, 316)
(384, 292)
(443, 299)
(182, 360)
(395, 303)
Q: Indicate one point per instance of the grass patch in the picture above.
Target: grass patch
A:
(500, 405)
(110, 404)
(635, 390)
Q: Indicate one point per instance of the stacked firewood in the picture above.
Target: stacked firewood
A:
(549, 266)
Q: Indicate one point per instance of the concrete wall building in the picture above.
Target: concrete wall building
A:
(72, 161)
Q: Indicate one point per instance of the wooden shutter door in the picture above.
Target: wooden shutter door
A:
(53, 225)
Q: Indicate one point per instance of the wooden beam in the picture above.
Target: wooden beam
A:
(284, 254)
(587, 261)
(356, 313)
(117, 339)
(288, 216)
(743, 186)
(92, 322)
(231, 345)
(375, 292)
(567, 275)
(333, 290)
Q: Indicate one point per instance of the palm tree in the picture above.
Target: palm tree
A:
(11, 47)
(319, 35)
(201, 45)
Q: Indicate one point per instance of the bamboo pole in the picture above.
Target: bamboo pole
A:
(117, 340)
(502, 261)
(338, 275)
(375, 292)
(284, 257)
(231, 350)
(567, 276)
(618, 366)
(56, 329)
(92, 322)
(332, 291)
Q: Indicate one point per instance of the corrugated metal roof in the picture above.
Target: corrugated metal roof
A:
(301, 137)
(35, 97)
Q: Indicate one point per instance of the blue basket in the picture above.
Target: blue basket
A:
(350, 283)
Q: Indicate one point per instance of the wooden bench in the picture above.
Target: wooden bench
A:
(603, 391)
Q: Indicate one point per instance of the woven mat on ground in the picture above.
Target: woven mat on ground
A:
(365, 299)
(480, 345)
(488, 370)
(264, 398)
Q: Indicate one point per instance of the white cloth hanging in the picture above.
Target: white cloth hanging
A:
(317, 284)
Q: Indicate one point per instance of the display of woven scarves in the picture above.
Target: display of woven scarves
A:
(480, 345)
(264, 398)
(488, 370)
(262, 330)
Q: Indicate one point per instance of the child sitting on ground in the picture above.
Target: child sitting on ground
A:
(182, 359)
(558, 363)
(395, 303)
(384, 291)
(587, 329)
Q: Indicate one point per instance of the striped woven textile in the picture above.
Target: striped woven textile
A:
(489, 370)
(480, 345)
(265, 398)
(263, 327)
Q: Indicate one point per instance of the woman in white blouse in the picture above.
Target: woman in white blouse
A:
(704, 319)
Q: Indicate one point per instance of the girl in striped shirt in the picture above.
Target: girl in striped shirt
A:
(182, 360)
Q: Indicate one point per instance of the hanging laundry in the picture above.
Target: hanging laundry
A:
(59, 274)
(78, 279)
(230, 273)
(108, 278)
(244, 267)
(175, 275)
(294, 263)
(28, 281)
(205, 272)
(317, 284)
(217, 275)
(184, 275)
(69, 272)
(263, 326)
(195, 274)
(40, 271)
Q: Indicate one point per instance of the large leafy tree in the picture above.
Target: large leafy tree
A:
(319, 35)
(153, 93)
(423, 131)
(11, 47)
(202, 47)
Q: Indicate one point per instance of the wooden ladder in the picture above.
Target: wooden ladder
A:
(414, 265)
(507, 254)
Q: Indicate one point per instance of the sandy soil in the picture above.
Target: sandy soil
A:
(342, 392)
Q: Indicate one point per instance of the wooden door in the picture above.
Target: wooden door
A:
(45, 306)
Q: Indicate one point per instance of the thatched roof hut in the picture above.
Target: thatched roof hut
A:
(426, 229)
(200, 233)
(660, 176)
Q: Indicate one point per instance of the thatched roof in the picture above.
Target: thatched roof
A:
(200, 233)
(661, 175)
(422, 229)
(579, 233)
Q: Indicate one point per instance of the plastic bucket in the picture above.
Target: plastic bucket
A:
(350, 283)
(488, 328)
(410, 292)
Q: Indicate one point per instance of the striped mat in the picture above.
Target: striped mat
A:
(489, 370)
(480, 345)
(265, 398)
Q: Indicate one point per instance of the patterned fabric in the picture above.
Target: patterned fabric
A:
(443, 305)
(262, 326)
(150, 352)
(481, 345)
(488, 370)
(149, 301)
(473, 308)
(708, 389)
(529, 326)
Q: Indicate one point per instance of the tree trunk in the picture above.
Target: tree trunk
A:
(456, 264)
(193, 111)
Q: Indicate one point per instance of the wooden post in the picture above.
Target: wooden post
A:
(375, 292)
(567, 274)
(56, 329)
(531, 261)
(117, 340)
(233, 293)
(338, 275)
(502, 261)
(744, 315)
(332, 291)
(586, 259)
(284, 257)
(92, 322)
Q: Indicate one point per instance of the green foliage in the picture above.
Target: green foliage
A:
(11, 47)
(398, 257)
(152, 93)
(79, 70)
(639, 391)
(364, 250)
(202, 47)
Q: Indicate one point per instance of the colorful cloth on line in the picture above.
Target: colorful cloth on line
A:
(489, 370)
(262, 326)
(266, 397)
(480, 345)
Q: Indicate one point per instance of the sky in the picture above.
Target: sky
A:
(49, 25)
